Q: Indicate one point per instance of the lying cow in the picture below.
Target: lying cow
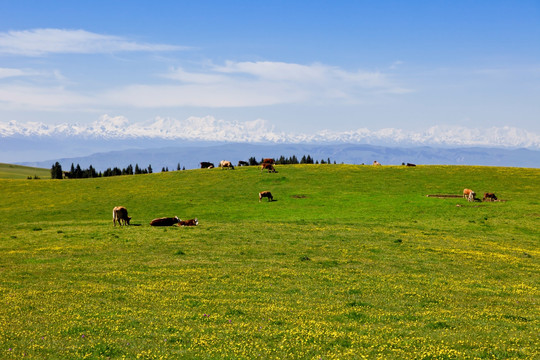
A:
(489, 197)
(190, 222)
(120, 214)
(207, 165)
(166, 221)
(469, 195)
(376, 163)
(269, 167)
(225, 164)
(266, 194)
(410, 164)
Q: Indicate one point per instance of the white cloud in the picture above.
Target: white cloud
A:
(41, 98)
(211, 129)
(10, 72)
(235, 84)
(246, 84)
(38, 42)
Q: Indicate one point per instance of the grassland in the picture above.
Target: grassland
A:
(10, 171)
(349, 262)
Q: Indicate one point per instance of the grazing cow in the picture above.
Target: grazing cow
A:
(166, 221)
(225, 164)
(467, 193)
(243, 163)
(206, 165)
(376, 163)
(270, 167)
(190, 222)
(266, 194)
(489, 197)
(120, 213)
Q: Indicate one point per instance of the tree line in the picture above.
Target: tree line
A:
(76, 172)
(282, 160)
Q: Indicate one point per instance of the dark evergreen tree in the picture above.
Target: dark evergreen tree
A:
(149, 169)
(252, 161)
(56, 171)
(78, 172)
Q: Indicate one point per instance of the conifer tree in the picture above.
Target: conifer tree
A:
(56, 171)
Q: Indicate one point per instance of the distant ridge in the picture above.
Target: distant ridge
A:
(190, 156)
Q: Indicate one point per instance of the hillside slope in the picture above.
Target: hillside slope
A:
(11, 171)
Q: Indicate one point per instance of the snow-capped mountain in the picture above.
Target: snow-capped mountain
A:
(258, 131)
(165, 142)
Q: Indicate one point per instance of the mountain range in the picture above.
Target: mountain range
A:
(165, 142)
(190, 156)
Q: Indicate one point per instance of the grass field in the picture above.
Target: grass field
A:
(349, 262)
(9, 171)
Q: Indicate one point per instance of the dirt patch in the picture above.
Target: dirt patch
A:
(445, 196)
(452, 196)
(299, 196)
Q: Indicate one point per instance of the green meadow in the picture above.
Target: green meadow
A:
(348, 262)
(10, 171)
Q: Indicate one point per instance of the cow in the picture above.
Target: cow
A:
(376, 163)
(165, 221)
(467, 192)
(268, 161)
(225, 164)
(120, 214)
(409, 164)
(243, 163)
(270, 167)
(489, 197)
(206, 165)
(190, 222)
(469, 195)
(266, 194)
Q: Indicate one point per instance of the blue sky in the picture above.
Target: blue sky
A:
(292, 66)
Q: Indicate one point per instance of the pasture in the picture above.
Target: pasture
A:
(348, 262)
(10, 171)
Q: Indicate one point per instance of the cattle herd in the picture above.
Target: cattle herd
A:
(471, 196)
(120, 213)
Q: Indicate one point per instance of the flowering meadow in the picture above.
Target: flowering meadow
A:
(348, 262)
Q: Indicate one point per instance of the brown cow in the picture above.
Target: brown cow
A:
(489, 197)
(266, 194)
(269, 167)
(469, 195)
(120, 214)
(166, 221)
(190, 222)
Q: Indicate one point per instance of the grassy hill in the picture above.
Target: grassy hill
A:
(9, 171)
(349, 262)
